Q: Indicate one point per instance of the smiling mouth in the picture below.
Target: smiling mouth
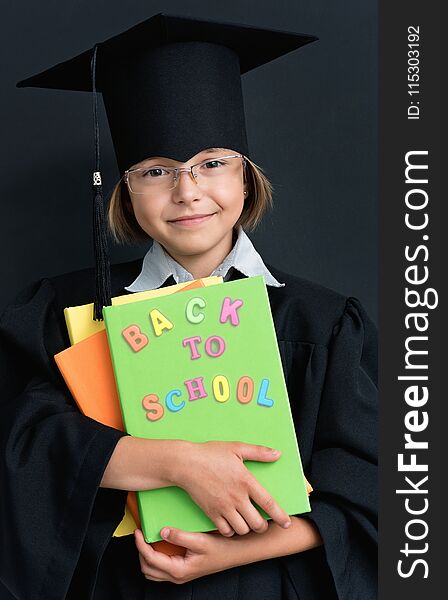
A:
(192, 220)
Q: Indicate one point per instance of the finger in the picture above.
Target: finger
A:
(253, 518)
(257, 452)
(155, 559)
(237, 522)
(163, 567)
(223, 527)
(151, 572)
(154, 578)
(269, 505)
(188, 539)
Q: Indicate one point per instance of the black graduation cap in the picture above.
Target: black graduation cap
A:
(171, 87)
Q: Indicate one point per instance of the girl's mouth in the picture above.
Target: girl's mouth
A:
(189, 221)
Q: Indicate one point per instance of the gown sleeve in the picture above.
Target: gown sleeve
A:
(344, 459)
(54, 517)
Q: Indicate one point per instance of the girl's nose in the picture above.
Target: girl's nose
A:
(186, 188)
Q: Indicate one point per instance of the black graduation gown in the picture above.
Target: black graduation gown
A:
(56, 523)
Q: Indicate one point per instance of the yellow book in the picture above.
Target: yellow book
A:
(80, 325)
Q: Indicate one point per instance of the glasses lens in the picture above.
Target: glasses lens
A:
(150, 179)
(218, 170)
(157, 179)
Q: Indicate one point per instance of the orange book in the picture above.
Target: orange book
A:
(87, 370)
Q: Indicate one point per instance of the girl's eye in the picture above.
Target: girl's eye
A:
(156, 172)
(213, 164)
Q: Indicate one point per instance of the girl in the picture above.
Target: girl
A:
(189, 184)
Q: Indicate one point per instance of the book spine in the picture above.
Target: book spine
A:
(113, 323)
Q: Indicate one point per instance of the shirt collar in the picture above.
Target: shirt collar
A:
(158, 265)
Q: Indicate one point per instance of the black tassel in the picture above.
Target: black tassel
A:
(102, 264)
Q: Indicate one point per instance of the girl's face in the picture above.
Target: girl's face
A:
(220, 201)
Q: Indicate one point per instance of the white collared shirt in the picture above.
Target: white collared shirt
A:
(158, 265)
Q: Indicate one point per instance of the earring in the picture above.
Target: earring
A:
(245, 193)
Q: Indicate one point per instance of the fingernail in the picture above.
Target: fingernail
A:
(165, 532)
(286, 525)
(275, 451)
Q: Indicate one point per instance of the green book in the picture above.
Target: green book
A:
(204, 365)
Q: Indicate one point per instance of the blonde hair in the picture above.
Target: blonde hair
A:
(125, 228)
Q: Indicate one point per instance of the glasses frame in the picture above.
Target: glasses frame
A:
(178, 170)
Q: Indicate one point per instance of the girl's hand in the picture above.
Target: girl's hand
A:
(214, 475)
(210, 552)
(205, 553)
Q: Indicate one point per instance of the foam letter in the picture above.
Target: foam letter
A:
(229, 309)
(134, 337)
(245, 389)
(159, 322)
(195, 388)
(169, 401)
(221, 389)
(191, 317)
(193, 347)
(221, 345)
(154, 410)
(262, 400)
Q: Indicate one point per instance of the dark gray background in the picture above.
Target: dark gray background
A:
(311, 120)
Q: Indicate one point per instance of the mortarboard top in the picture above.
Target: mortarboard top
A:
(171, 87)
(165, 70)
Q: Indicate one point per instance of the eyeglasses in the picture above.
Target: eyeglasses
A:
(207, 173)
